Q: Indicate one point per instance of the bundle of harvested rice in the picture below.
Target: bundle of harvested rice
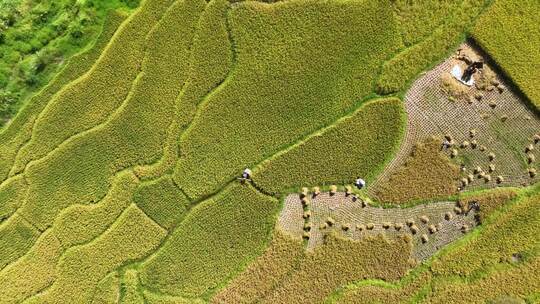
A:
(330, 221)
(414, 229)
(478, 96)
(333, 190)
(448, 216)
(529, 148)
(491, 168)
(432, 229)
(477, 170)
(424, 219)
(305, 235)
(453, 153)
(530, 158)
(348, 190)
(316, 191)
(304, 192)
(487, 178)
(386, 225)
(457, 210)
(305, 201)
(424, 238)
(474, 144)
(465, 144)
(465, 228)
(482, 148)
(360, 227)
(470, 178)
(491, 156)
(409, 222)
(398, 226)
(536, 138)
(532, 172)
(499, 179)
(472, 132)
(307, 214)
(323, 226)
(346, 227)
(370, 226)
(307, 226)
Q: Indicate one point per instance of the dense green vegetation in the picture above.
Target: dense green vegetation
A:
(118, 176)
(20, 128)
(37, 37)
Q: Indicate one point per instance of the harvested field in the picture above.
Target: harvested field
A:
(494, 117)
(339, 209)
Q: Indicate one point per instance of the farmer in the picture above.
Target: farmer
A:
(246, 174)
(471, 69)
(359, 183)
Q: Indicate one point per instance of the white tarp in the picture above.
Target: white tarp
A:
(457, 72)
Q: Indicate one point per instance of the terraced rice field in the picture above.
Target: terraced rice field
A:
(121, 178)
(498, 123)
(356, 219)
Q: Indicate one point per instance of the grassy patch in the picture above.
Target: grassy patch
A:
(358, 145)
(512, 232)
(32, 272)
(213, 242)
(489, 201)
(75, 225)
(37, 37)
(93, 97)
(107, 290)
